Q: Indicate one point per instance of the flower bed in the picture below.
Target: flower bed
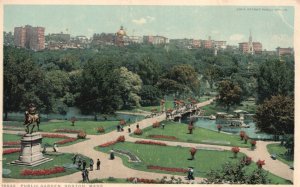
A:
(246, 160)
(179, 170)
(11, 143)
(68, 130)
(163, 137)
(119, 139)
(28, 172)
(66, 141)
(10, 151)
(140, 180)
(54, 136)
(150, 142)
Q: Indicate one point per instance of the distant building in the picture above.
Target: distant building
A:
(208, 44)
(220, 44)
(120, 36)
(284, 51)
(196, 43)
(135, 39)
(30, 37)
(155, 40)
(250, 47)
(59, 37)
(103, 39)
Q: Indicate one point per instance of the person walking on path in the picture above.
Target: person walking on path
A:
(98, 164)
(85, 175)
(79, 163)
(83, 164)
(163, 125)
(91, 164)
(137, 126)
(112, 154)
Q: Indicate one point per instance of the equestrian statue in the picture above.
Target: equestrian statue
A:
(31, 117)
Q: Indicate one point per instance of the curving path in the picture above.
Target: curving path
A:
(115, 168)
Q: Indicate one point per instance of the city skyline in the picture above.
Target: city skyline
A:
(272, 26)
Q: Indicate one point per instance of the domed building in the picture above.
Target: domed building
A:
(120, 34)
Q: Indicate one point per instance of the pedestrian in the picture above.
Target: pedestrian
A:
(137, 126)
(55, 149)
(112, 154)
(163, 125)
(91, 164)
(86, 175)
(79, 163)
(98, 164)
(83, 164)
(83, 176)
(118, 128)
(129, 130)
(74, 158)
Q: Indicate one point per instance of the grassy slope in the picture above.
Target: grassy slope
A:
(199, 135)
(280, 151)
(177, 157)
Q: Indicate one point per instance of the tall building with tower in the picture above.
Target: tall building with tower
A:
(250, 47)
(30, 37)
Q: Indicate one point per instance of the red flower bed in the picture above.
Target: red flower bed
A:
(10, 151)
(11, 143)
(107, 144)
(40, 172)
(246, 160)
(66, 141)
(180, 170)
(68, 130)
(163, 137)
(140, 180)
(121, 139)
(150, 142)
(54, 136)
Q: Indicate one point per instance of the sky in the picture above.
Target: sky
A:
(272, 26)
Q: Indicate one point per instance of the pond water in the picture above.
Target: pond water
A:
(18, 116)
(251, 131)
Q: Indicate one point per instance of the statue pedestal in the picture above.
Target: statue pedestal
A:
(31, 154)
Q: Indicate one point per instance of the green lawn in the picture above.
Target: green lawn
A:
(178, 157)
(212, 109)
(58, 160)
(280, 152)
(90, 127)
(200, 135)
(49, 141)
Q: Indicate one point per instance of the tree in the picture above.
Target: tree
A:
(229, 93)
(150, 95)
(275, 78)
(236, 174)
(211, 74)
(100, 88)
(130, 87)
(276, 115)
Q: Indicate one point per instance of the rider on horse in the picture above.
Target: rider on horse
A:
(31, 117)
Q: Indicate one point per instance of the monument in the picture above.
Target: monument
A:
(31, 154)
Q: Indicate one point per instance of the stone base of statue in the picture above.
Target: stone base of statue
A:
(31, 154)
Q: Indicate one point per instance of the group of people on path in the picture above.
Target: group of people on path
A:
(82, 165)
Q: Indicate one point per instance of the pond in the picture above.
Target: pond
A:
(251, 131)
(19, 116)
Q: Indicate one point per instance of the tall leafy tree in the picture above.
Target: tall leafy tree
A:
(229, 93)
(274, 78)
(276, 115)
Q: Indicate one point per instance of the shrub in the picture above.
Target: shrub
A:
(235, 151)
(260, 163)
(138, 132)
(242, 134)
(246, 160)
(10, 151)
(253, 144)
(73, 120)
(121, 139)
(100, 130)
(29, 172)
(122, 122)
(193, 152)
(150, 142)
(81, 135)
(156, 124)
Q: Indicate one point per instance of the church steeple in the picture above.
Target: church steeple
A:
(250, 44)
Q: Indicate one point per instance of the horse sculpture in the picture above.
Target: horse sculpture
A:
(31, 118)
